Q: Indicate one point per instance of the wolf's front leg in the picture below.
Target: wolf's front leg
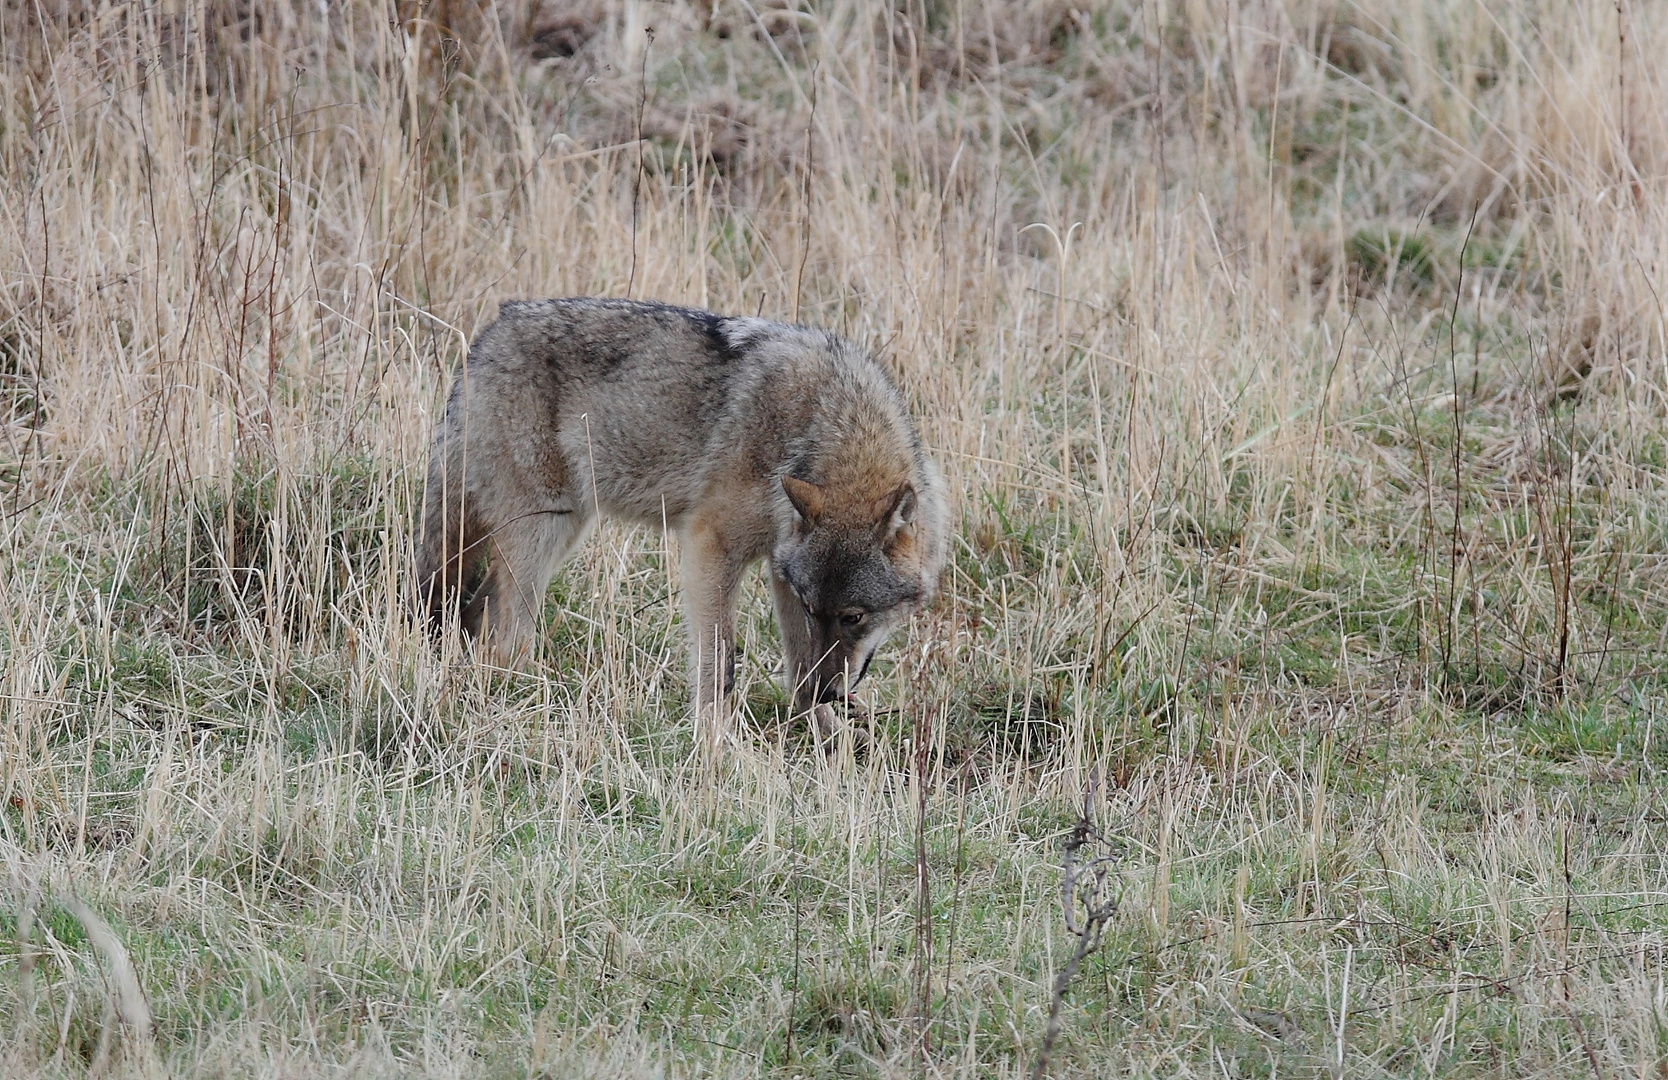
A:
(799, 661)
(793, 623)
(712, 569)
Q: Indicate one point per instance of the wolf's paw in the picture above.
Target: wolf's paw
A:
(833, 722)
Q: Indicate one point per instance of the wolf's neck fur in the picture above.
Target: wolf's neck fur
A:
(858, 439)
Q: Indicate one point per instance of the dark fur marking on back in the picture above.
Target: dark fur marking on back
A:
(713, 327)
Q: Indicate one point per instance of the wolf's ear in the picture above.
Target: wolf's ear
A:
(897, 512)
(807, 498)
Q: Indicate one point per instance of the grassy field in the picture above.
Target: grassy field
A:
(1300, 369)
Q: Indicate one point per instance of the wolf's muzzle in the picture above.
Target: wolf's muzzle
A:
(838, 687)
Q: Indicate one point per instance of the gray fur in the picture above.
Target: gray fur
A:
(665, 415)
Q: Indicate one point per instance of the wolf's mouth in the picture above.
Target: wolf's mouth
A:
(827, 694)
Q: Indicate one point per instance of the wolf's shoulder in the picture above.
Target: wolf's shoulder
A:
(811, 349)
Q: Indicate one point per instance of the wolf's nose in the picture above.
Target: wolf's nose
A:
(831, 690)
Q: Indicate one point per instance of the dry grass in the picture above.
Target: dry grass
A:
(1300, 370)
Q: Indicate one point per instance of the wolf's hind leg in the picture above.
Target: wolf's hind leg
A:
(451, 553)
(521, 557)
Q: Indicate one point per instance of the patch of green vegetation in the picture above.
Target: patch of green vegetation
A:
(848, 1017)
(1386, 255)
(1010, 720)
(1009, 542)
(611, 800)
(243, 549)
(1586, 730)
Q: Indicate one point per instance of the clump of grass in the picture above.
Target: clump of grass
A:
(277, 547)
(1385, 255)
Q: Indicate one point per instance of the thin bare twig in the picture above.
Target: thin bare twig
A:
(1087, 905)
(637, 179)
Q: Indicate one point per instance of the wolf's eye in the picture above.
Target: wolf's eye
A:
(853, 618)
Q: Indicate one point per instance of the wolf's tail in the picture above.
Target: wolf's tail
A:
(452, 548)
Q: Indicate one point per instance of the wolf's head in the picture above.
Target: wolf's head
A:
(858, 568)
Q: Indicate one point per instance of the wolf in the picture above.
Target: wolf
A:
(750, 439)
